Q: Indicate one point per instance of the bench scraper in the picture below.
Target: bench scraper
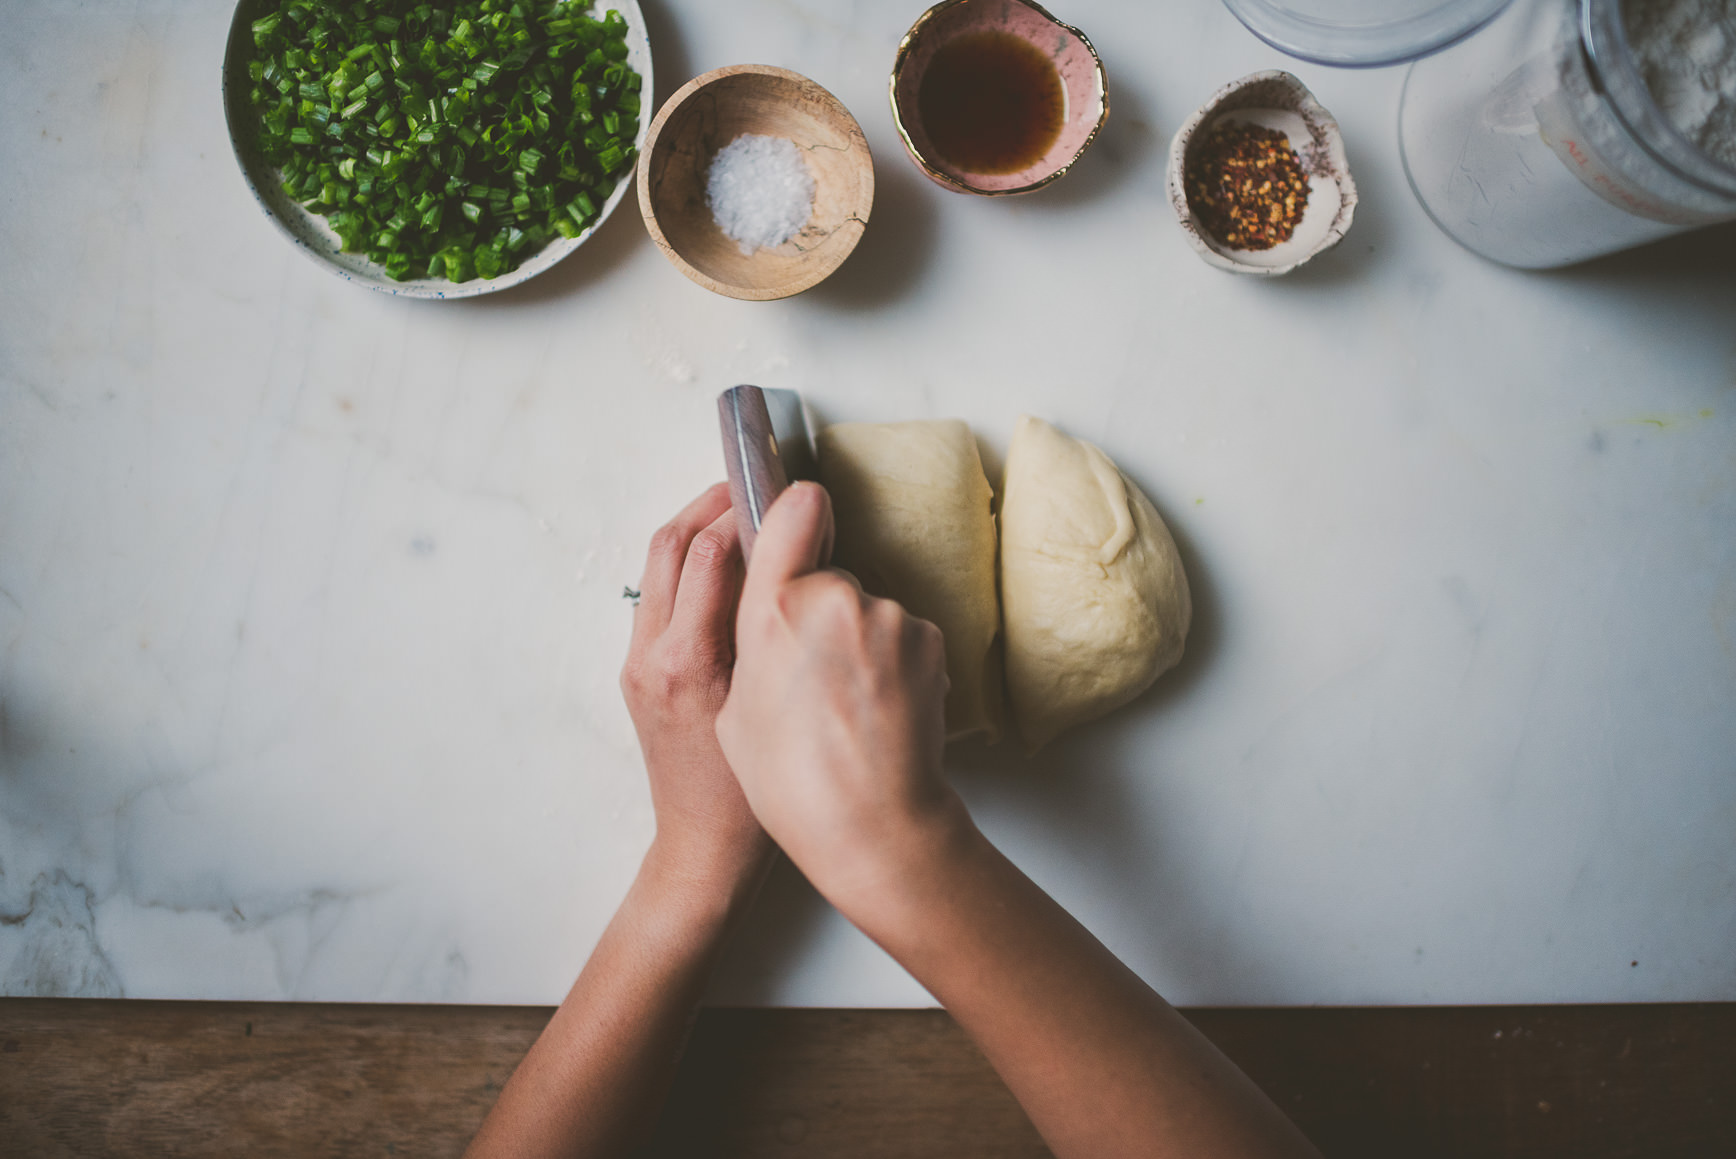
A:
(768, 443)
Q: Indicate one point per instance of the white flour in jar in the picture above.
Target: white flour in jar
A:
(1513, 145)
(1686, 50)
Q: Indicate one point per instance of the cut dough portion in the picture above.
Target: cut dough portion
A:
(915, 524)
(1095, 603)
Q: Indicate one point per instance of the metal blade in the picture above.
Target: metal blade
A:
(794, 433)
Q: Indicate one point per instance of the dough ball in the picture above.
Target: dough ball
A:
(1094, 600)
(915, 524)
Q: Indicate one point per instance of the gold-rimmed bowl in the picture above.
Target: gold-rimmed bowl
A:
(1084, 85)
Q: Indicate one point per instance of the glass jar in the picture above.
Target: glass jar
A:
(1362, 33)
(1537, 144)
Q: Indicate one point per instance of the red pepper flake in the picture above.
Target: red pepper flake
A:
(1246, 185)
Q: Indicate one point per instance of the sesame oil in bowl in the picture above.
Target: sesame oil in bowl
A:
(996, 96)
(992, 102)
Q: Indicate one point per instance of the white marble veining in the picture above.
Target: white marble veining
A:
(310, 603)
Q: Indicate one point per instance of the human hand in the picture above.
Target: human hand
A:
(833, 725)
(834, 720)
(676, 677)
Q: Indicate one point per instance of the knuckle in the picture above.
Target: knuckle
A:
(650, 681)
(784, 606)
(711, 550)
(668, 540)
(887, 616)
(820, 594)
(680, 661)
(666, 684)
(840, 592)
(633, 678)
(929, 637)
(934, 647)
(845, 605)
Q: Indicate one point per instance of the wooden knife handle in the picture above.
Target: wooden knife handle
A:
(750, 455)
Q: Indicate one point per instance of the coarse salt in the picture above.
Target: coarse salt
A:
(760, 191)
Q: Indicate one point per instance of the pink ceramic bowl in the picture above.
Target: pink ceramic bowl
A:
(1083, 82)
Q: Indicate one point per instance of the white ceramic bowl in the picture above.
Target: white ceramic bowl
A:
(1275, 100)
(313, 237)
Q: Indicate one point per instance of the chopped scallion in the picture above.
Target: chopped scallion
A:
(449, 139)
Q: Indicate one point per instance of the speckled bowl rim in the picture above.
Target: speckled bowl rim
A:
(950, 180)
(1321, 124)
(310, 234)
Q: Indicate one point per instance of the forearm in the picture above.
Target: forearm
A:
(593, 1081)
(1102, 1064)
(834, 727)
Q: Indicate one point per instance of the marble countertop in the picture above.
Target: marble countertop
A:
(310, 598)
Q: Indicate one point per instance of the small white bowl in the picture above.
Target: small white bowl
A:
(1275, 100)
(309, 231)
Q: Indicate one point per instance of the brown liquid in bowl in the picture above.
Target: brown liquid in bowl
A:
(991, 103)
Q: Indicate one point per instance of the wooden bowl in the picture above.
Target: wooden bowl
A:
(710, 111)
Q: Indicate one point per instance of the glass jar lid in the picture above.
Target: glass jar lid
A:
(1363, 33)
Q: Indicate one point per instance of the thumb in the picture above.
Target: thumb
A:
(794, 539)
